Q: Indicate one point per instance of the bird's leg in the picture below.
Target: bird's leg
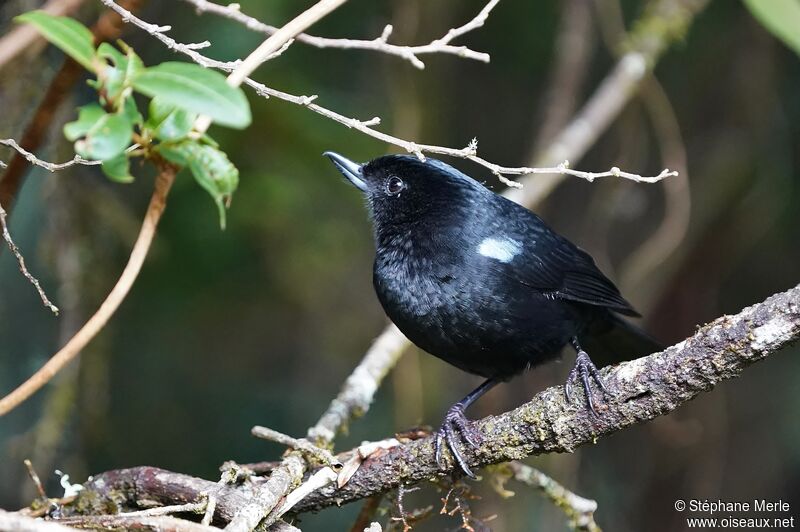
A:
(457, 425)
(583, 369)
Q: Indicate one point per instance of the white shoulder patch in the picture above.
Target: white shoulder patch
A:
(503, 249)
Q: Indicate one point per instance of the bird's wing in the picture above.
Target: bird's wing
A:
(559, 269)
(589, 285)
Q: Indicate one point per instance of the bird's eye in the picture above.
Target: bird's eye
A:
(394, 185)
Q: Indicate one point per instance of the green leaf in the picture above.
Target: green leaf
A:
(117, 58)
(135, 64)
(779, 17)
(196, 89)
(107, 138)
(88, 115)
(157, 112)
(177, 153)
(176, 126)
(118, 169)
(119, 73)
(129, 63)
(131, 112)
(206, 139)
(72, 37)
(211, 169)
(113, 81)
(168, 122)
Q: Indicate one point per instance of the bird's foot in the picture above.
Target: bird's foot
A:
(583, 369)
(456, 426)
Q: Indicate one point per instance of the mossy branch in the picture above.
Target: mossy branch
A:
(640, 390)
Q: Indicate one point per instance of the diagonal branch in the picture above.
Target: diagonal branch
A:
(21, 262)
(579, 510)
(640, 390)
(112, 302)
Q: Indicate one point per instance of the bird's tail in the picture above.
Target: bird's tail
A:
(619, 340)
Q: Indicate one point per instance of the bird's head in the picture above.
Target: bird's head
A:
(403, 190)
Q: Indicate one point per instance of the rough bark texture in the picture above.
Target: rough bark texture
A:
(640, 390)
(142, 487)
(23, 523)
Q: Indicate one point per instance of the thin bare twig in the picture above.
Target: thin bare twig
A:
(155, 523)
(158, 32)
(211, 506)
(192, 507)
(301, 444)
(35, 478)
(269, 495)
(21, 263)
(275, 41)
(273, 45)
(469, 152)
(323, 477)
(158, 202)
(52, 167)
(579, 510)
(379, 44)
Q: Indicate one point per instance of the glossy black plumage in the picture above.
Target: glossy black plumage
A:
(479, 281)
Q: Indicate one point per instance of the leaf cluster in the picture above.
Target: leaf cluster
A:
(114, 130)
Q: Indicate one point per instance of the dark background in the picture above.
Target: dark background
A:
(261, 323)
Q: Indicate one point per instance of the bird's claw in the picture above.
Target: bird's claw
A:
(583, 369)
(456, 426)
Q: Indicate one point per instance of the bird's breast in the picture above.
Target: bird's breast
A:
(411, 287)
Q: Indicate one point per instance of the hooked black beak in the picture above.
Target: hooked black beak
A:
(352, 171)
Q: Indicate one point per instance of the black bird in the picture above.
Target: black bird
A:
(483, 283)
